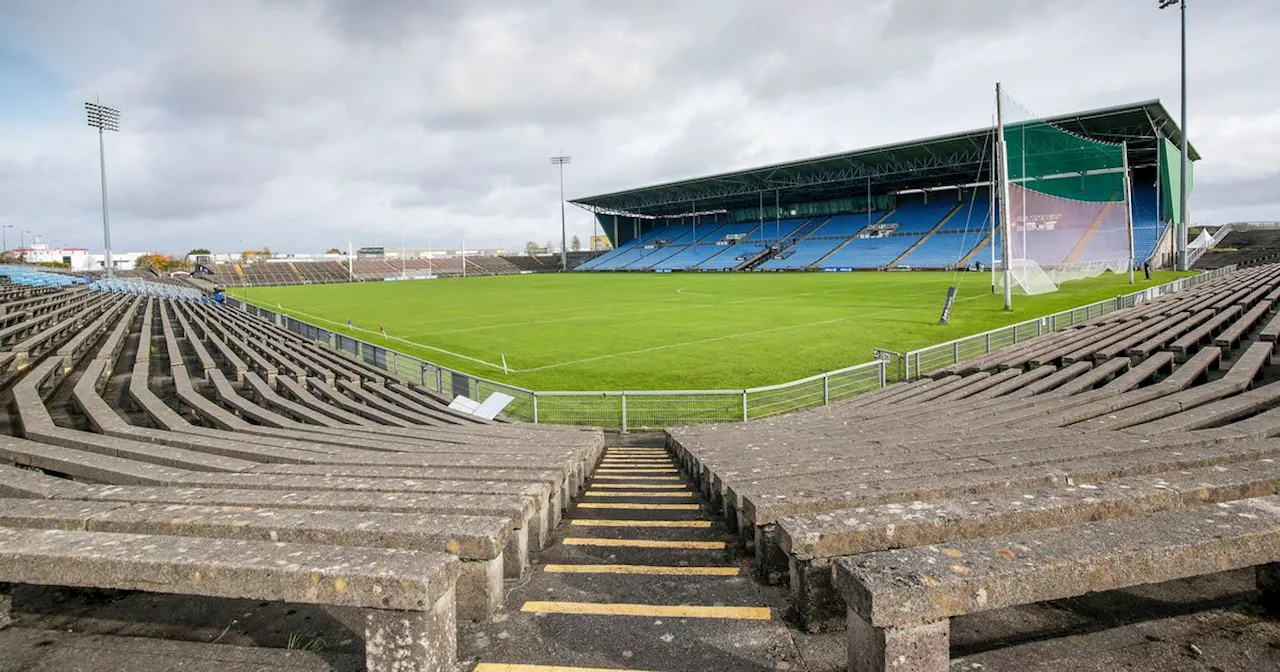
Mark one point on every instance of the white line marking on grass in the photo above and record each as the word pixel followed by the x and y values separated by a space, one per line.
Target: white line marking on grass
pixel 713 339
pixel 387 337
pixel 684 293
pixel 667 309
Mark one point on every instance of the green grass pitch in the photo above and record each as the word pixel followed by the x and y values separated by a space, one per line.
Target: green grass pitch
pixel 667 331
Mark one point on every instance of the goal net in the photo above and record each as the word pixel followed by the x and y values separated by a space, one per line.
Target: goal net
pixel 1068 203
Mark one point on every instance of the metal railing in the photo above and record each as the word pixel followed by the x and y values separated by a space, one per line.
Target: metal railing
pixel 917 363
pixel 624 410
pixel 1194 254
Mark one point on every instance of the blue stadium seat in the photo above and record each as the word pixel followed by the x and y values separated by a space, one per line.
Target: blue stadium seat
pixel 943 250
pixel 870 252
pixel 710 246
pixel 919 218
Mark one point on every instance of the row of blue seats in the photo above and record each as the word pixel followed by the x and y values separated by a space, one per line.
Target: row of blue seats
pixel 832 242
pixel 22 275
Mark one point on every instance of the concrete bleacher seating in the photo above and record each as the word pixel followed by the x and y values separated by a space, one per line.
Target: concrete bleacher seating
pixel 1243 247
pixel 182 447
pixel 307 271
pixel 1066 464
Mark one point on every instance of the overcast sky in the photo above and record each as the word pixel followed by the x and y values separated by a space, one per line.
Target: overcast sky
pixel 309 124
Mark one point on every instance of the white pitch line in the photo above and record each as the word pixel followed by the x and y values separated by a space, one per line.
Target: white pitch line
pixel 666 309
pixel 713 339
pixel 371 332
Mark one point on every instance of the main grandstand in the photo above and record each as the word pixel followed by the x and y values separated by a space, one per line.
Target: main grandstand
pixel 925 204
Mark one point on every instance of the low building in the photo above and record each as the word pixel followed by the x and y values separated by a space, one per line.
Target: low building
pixel 75 258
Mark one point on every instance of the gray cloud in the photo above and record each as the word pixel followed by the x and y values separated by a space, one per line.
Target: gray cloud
pixel 307 124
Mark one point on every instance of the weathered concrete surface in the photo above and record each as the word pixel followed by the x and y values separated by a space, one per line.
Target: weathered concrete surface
pixel 359 577
pixel 1123 460
pixel 19 482
pixel 923 585
pixel 6 604
pixel 47 652
pixel 409 594
pixel 417 641
pixel 810 542
pixel 916 648
pixel 478 540
pixel 515 554
pixel 920 523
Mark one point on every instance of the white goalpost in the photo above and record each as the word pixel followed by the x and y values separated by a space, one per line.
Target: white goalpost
pixel 1065 205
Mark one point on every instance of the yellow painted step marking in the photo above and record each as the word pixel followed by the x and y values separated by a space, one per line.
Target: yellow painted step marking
pixel 642 569
pixel 640 486
pixel 645 543
pixel 647 507
pixel 590 493
pixel 635 451
pixel 648 610
pixel 635 478
pixel 508 667
pixel 688 524
pixel 636 470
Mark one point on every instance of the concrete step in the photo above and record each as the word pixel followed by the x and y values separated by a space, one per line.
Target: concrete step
pixel 635 589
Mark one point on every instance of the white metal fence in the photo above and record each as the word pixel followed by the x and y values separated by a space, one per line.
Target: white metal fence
pixel 922 362
pixel 624 410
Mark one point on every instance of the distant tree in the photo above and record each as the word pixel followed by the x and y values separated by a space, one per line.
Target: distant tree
pixel 550 246
pixel 158 261
pixel 198 250
pixel 576 244
pixel 531 248
pixel 333 250
pixel 251 255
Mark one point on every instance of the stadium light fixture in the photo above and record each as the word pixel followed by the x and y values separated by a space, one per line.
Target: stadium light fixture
pixel 3 239
pixel 104 118
pixel 1182 183
pixel 564 257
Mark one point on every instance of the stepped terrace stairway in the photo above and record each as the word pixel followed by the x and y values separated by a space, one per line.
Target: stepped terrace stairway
pixel 638 577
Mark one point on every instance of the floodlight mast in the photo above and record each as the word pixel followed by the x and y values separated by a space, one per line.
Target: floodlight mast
pixel 564 257
pixel 104 118
pixel 1181 228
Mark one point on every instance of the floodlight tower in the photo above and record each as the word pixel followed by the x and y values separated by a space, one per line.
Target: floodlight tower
pixel 104 118
pixel 564 257
pixel 1181 229
pixel 3 241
